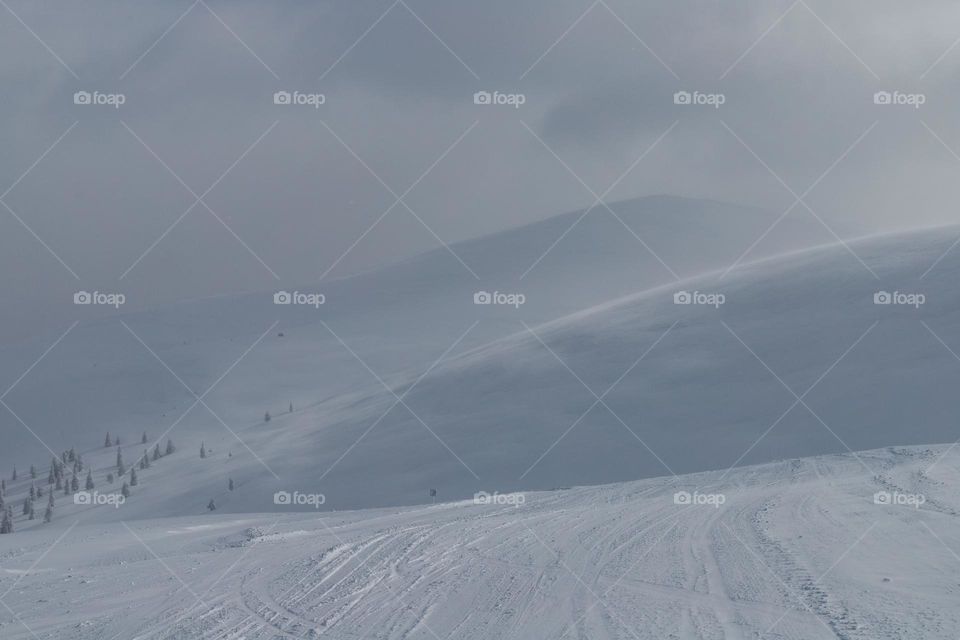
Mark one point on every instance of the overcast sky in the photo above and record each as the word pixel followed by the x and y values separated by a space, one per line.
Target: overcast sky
pixel 288 191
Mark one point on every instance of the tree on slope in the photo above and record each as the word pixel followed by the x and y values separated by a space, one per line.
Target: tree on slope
pixel 89 483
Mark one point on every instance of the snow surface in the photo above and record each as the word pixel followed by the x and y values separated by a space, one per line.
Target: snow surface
pixel 798 550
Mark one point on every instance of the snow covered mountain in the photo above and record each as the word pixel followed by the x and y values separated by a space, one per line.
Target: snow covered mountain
pixel 799 360
pixel 831 547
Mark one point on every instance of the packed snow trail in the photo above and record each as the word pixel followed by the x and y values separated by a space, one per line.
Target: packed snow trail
pixel 798 549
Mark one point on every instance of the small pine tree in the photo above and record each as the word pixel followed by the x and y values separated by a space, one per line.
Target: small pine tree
pixel 291 407
pixel 72 455
pixel 211 506
pixel 156 452
pixel 110 478
pixel 116 441
pixel 40 491
pixel 50 499
pixel 120 469
pixel 203 451
pixel 33 491
pixel 133 477
pixel 14 477
pixel 170 447
pixel 33 472
pixel 48 514
pixel 107 443
pixel 59 484
pixel 266 417
pixel 89 484
pixel 74 484
pixel 143 440
pixel 66 487
pixel 31 515
pixel 79 464
pixel 230 484
pixel 125 490
pixel 51 477
pixel 27 502
pixel 6 523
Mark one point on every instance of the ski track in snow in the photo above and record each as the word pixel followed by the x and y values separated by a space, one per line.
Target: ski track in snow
pixel 799 550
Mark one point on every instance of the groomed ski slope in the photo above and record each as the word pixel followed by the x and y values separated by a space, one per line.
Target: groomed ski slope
pixel 798 550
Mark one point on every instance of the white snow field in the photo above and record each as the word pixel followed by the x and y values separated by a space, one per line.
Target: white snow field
pixel 796 549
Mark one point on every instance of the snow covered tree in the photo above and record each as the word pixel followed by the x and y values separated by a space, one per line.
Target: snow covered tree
pixel 203 451
pixel 170 448
pixel 48 514
pixel 156 452
pixel 89 484
pixel 120 468
pixel 266 417
pixel 291 407
pixel 40 491
pixel 66 487
pixel 116 441
pixel 110 478
pixel 143 440
pixel 211 506
pixel 230 484
pixel 33 491
pixel 133 477
pixel 72 455
pixel 74 484
pixel 6 523
pixel 125 490
pixel 59 484
pixel 78 465
pixel 52 476
pixel 33 472
pixel 107 443
pixel 31 515
pixel 145 460
pixel 14 478
pixel 26 505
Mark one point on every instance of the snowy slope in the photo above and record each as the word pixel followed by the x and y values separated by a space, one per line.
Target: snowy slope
pixel 798 550
pixel 399 319
pixel 511 415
